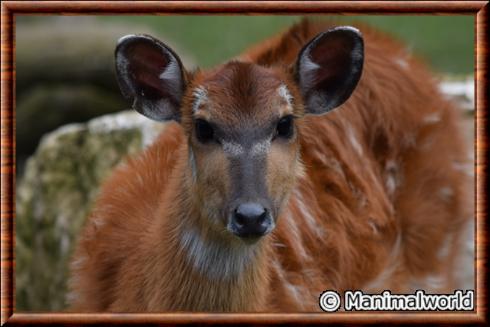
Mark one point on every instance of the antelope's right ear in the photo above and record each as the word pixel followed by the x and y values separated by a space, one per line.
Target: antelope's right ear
pixel 152 75
pixel 329 67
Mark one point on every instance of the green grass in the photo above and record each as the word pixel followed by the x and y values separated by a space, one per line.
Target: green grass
pixel 446 42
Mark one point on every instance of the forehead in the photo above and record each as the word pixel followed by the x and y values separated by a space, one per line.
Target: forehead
pixel 241 93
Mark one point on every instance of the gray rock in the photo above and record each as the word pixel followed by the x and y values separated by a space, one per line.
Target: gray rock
pixel 54 196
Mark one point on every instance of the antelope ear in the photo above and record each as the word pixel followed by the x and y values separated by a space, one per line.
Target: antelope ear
pixel 151 74
pixel 329 67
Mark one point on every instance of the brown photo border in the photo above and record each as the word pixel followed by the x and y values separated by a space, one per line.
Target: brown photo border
pixel 479 9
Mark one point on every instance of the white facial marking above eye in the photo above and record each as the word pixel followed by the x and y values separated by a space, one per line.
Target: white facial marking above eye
pixel 236 149
pixel 233 149
pixel 200 96
pixel 260 148
pixel 284 93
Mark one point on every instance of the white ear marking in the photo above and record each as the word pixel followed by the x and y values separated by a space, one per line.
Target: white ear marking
pixel 307 64
pixel 172 71
pixel 306 68
pixel 172 75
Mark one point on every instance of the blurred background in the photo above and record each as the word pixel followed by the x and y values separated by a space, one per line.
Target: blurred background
pixel 65 80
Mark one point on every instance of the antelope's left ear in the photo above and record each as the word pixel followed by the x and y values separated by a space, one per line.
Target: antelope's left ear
pixel 329 67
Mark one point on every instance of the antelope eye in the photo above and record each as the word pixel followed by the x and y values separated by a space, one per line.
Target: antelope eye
pixel 285 127
pixel 204 131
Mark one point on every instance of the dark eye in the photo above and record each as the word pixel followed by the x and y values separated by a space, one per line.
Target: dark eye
pixel 204 131
pixel 285 127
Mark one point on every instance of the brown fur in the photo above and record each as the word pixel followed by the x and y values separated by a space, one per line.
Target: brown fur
pixel 378 199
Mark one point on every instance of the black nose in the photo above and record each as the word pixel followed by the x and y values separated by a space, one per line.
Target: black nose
pixel 250 220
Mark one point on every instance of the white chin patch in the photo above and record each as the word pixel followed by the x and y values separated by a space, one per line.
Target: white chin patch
pixel 214 259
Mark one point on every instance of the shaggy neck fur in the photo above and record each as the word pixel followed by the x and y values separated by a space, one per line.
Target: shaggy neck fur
pixel 202 268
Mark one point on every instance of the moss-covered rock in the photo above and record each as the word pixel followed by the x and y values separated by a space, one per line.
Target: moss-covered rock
pixel 55 195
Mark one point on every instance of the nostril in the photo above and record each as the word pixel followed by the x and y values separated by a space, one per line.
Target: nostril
pixel 239 218
pixel 250 214
pixel 250 220
pixel 263 216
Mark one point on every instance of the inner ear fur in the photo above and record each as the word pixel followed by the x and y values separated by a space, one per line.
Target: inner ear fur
pixel 151 75
pixel 329 67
